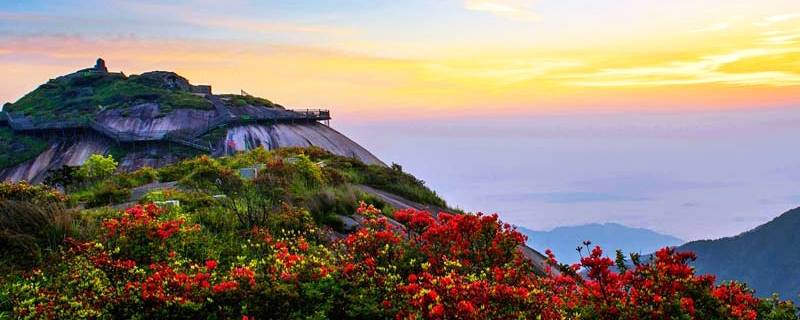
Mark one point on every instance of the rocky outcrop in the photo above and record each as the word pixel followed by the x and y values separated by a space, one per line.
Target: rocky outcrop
pixel 147 121
pixel 295 135
pixel 74 150
pixel 152 129
pixel 61 152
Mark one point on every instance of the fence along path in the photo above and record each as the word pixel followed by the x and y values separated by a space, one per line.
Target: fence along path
pixel 187 137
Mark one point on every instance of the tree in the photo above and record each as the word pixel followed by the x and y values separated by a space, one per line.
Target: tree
pixel 97 167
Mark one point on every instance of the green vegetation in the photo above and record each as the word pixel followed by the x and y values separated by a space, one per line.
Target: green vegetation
pixel 273 245
pixel 244 100
pixel 771 246
pixel 18 148
pixel 317 186
pixel 311 178
pixel 33 221
pixel 83 94
pixel 97 167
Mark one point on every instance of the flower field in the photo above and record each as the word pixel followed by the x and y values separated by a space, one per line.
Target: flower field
pixel 190 262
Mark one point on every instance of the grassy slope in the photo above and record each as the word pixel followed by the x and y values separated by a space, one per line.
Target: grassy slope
pixel 305 177
pixel 17 148
pixel 82 94
pixel 243 100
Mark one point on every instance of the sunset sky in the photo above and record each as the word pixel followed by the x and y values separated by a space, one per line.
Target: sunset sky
pixel 376 59
pixel 680 116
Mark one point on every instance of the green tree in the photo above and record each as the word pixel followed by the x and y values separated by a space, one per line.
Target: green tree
pixel 98 167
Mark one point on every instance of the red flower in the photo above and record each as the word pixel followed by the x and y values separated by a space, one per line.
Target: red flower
pixel 303 245
pixel 688 305
pixel 465 307
pixel 225 286
pixel 437 311
pixel 211 264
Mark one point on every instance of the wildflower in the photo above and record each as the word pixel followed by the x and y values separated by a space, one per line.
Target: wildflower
pixel 437 311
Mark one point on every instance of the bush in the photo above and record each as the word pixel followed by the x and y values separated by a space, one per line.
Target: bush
pixel 190 201
pixel 97 167
pixel 29 229
pixel 138 178
pixel 152 263
pixel 23 191
pixel 108 192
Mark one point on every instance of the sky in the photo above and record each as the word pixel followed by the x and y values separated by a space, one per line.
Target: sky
pixel 551 112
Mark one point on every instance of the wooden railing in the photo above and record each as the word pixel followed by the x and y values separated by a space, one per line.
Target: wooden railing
pixel 313 114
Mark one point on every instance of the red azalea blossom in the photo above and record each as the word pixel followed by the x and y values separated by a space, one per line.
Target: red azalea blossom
pixel 459 266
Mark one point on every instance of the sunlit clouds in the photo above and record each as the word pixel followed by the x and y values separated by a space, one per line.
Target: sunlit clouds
pixel 429 58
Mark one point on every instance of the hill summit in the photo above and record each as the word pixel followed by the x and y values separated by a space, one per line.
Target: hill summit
pixel 766 257
pixel 152 119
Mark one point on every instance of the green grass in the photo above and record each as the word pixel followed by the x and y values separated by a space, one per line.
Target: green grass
pixel 82 95
pixel 308 178
pixel 243 100
pixel 18 148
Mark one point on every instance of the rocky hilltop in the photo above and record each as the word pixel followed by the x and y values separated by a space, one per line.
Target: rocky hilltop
pixel 152 119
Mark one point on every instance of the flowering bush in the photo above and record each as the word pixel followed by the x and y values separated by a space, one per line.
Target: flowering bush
pixel 155 263
pixel 23 191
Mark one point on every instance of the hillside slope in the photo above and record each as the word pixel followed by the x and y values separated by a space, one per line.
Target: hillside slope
pixel 766 258
pixel 152 119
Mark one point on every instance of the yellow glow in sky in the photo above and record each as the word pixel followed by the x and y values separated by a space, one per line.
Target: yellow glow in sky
pixel 484 56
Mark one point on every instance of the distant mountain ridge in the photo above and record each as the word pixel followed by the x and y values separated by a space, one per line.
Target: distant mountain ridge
pixel 609 236
pixel 767 258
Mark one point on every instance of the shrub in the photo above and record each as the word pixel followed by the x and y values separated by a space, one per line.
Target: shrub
pixel 97 167
pixel 190 201
pixel 64 176
pixel 152 263
pixel 137 178
pixel 108 192
pixel 28 229
pixel 251 206
pixel 24 191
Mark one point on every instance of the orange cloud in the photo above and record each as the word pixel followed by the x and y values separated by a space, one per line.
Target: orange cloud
pixel 737 68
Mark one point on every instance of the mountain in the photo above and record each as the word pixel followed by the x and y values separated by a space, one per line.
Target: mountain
pixel 767 258
pixel 153 119
pixel 609 236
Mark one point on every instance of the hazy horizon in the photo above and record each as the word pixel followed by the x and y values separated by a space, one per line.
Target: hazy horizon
pixel 693 175
pixel 674 116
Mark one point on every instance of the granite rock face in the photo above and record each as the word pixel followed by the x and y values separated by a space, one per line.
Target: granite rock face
pixel 146 120
pixel 74 150
pixel 153 125
pixel 247 137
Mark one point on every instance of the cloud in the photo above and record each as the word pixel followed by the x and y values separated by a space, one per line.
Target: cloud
pixel 569 197
pixel 714 27
pixel 23 17
pixel 504 71
pixel 779 38
pixel 707 69
pixel 514 9
pixel 769 21
pixel 238 23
